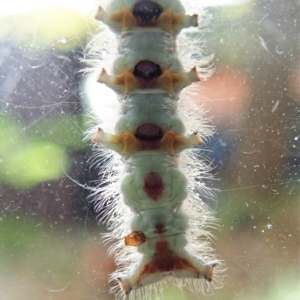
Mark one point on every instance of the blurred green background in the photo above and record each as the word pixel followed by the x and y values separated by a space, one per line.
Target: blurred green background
pixel 50 245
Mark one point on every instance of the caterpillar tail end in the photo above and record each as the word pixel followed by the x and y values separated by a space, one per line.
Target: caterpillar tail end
pixel 153 271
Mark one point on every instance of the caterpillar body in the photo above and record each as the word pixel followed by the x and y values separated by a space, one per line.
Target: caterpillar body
pixel 152 177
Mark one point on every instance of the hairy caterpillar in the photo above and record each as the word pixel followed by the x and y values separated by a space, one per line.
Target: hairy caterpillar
pixel 151 177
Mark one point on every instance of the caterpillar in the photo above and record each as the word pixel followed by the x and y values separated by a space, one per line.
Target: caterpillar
pixel 152 173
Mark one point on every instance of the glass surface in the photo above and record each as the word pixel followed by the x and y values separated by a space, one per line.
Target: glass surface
pixel 50 239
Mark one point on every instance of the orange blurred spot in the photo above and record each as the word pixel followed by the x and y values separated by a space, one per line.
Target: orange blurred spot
pixel 226 94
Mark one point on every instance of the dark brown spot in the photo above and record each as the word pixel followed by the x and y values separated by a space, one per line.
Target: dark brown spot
pixel 149 137
pixel 160 228
pixel 148 132
pixel 146 12
pixel 153 186
pixel 147 70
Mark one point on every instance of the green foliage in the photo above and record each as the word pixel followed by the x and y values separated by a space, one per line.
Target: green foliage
pixel 37 162
pixel 66 130
pixel 29 157
pixel 27 243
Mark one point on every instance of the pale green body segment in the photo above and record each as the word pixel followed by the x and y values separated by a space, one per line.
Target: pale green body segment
pixel 173 221
pixel 156 46
pixel 139 166
pixel 153 109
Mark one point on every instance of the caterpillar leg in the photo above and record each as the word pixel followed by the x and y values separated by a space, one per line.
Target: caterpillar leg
pixel 129 81
pixel 128 143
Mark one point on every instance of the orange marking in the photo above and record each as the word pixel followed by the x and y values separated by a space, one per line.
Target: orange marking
pixel 128 20
pixel 125 17
pixel 127 140
pixel 118 17
pixel 130 142
pixel 167 20
pixel 167 79
pixel 177 19
pixel 170 141
pixel 135 238
pixel 128 80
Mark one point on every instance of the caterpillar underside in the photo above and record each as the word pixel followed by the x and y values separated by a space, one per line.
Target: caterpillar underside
pixel 151 201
